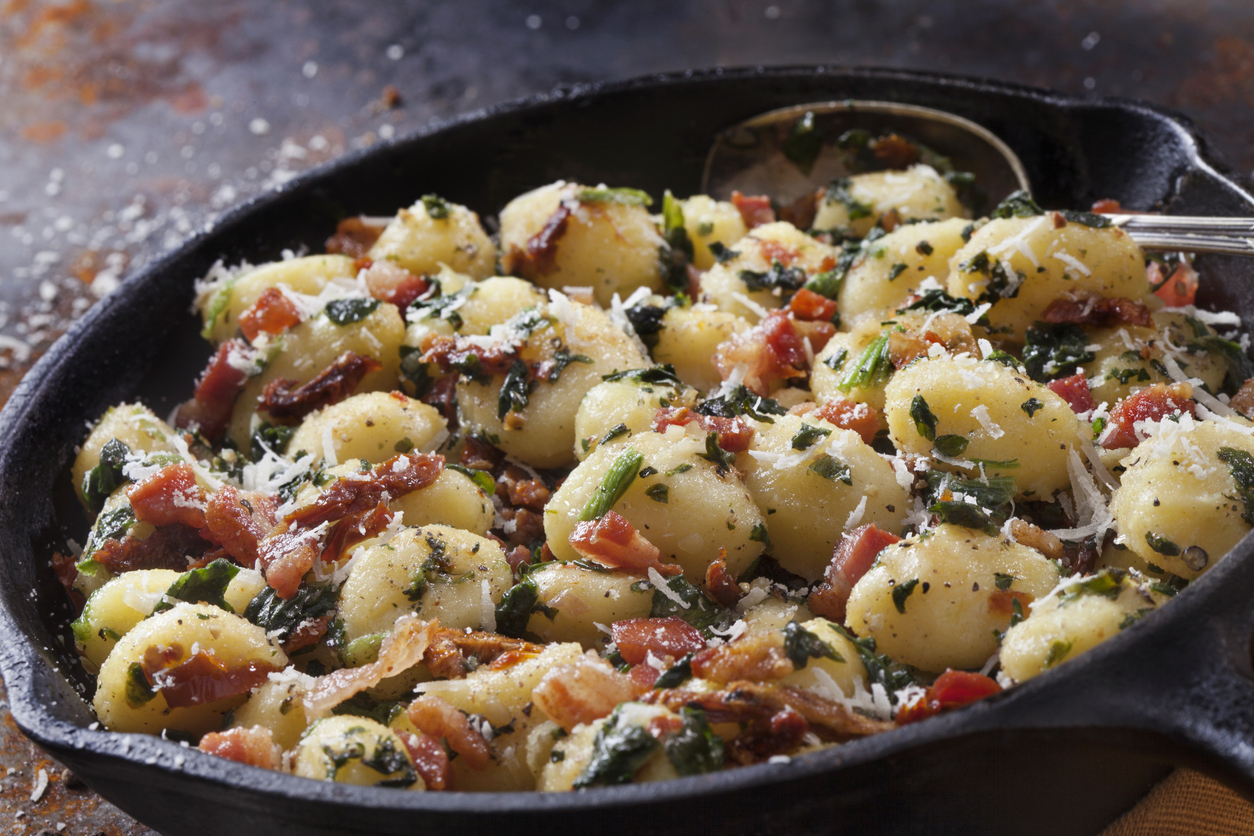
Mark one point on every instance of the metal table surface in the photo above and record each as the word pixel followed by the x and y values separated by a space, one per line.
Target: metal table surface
pixel 127 124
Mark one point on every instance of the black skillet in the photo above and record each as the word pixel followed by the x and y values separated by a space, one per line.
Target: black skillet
pixel 1064 753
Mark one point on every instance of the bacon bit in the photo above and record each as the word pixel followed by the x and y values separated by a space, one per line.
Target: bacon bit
pixel 272 313
pixel 1003 603
pixel 755 657
pixel 528 525
pixel 443 396
pixel 1178 289
pixel 169 547
pixel 904 347
pixel 518 556
pixel 1081 558
pixel 693 288
pixel 286 400
pixel 775 251
pixel 239 521
pixel 538 256
pixel 1075 391
pixel 644 675
pixel 210 407
pixel 1152 403
pixel 401 650
pixel 669 637
pixel 1107 206
pixel 583 691
pixel 890 220
pixel 755 210
pixel 355 502
pixel 450 652
pixel 435 717
pixel 817 334
pixel 353 237
pixel 430 760
pixel 719 582
pixel 480 455
pixel 952 689
pixel 255 746
pixel 387 281
pixel 66 569
pixel 755 703
pixel 851 415
pixel 895 151
pixel 452 353
pixel 307 633
pixel 1099 311
pixel 169 496
pixel 811 307
pixel 800 213
pixel 1243 400
pixel 734 434
pixel 520 489
pixel 1058 220
pixel 1033 537
pixel 202 679
pixel 771 351
pixel 851 559
pixel 614 542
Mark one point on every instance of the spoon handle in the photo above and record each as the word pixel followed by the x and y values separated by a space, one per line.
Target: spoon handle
pixel 1226 236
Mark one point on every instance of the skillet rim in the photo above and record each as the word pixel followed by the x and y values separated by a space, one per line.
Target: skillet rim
pixel 17 660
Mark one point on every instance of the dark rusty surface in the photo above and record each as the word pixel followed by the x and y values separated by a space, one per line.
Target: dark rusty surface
pixel 127 124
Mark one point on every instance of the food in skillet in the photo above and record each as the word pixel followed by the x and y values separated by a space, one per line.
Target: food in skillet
pixel 621 497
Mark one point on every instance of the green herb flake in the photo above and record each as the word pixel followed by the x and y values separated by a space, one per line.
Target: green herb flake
pixel 437 208
pixel 1003 581
pixel 777 277
pixel 722 254
pixel 1031 406
pixel 614 484
pixel 826 283
pixel 677 674
pixel 1058 651
pixel 832 469
pixel 625 196
pixel 618 750
pixel 838 192
pixel 937 300
pixel 614 432
pixel 280 617
pixel 103 479
pixel 561 359
pixel 1162 545
pixel 872 367
pixel 924 420
pixel 679 468
pixel 901 592
pixel 801 645
pixel 269 437
pixel 697 608
pixel 720 458
pixel 1241 467
pixel 515 390
pixel 1085 218
pixel 951 445
pixel 663 375
pixel 1017 205
pixel 807 436
pixel 138 690
pixel 206 585
pixel 1052 351
pixel 695 749
pixel 658 493
pixel 759 534
pixel 347 311
pixel 923 248
pixel 804 143
pixel 896 270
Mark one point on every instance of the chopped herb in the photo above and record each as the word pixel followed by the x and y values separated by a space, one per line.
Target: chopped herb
pixel 1124 375
pixel 924 420
pixel 923 248
pixel 205 585
pixel 561 359
pixel 807 436
pixel 872 368
pixel 838 192
pixel 403 446
pixel 804 143
pixel 646 320
pixel 1085 218
pixel 826 283
pixel 618 750
pixel 673 225
pixel 778 277
pixel 901 592
pixel 1000 464
pixel 938 300
pixel 879 668
pixel 722 254
pixel 896 270
pixel 1017 205
pixel 386 759
pixel 698 609
pixel 1169 585
pixel 677 674
pixel 658 493
pixel 614 484
pixel 1017 615
pixel 111 525
pixel 721 459
pixel 269 437
pixel 1031 405
pixel 1106 584
pixel 951 445
pixel 517 605
pixel 614 432
pixel 138 690
pixel 1133 617
pixel 966 233
pixel 625 196
pixel 103 479
pixel 679 468
pixel 800 646
pixel 1003 581
pixel 218 305
pixel 832 469
pixel 695 749
pixel 1058 651
pixel 1052 351
pixel 1240 366
pixel 759 534
pixel 1241 466
pixel 1006 359
pixel 741 401
pixel 1162 545
pixel 837 361
pixel 347 311
pixel 663 375
pixel 515 390
pixel 280 617
pixel 437 207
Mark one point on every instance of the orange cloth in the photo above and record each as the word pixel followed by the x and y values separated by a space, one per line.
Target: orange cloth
pixel 1187 804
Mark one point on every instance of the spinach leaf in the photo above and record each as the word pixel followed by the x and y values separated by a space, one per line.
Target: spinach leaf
pixel 515 390
pixel 347 311
pixel 437 208
pixel 267 436
pixel 205 585
pixel 741 401
pixel 800 646
pixel 663 375
pixel 779 277
pixel 698 609
pixel 804 143
pixel 1053 351
pixel 924 420
pixel 695 749
pixel 1017 205
pixel 103 479
pixel 1241 466
pixel 280 617
pixel 614 484
pixel 618 750
pixel 872 367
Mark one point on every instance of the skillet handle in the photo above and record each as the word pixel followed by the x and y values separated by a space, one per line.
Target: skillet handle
pixel 1182 687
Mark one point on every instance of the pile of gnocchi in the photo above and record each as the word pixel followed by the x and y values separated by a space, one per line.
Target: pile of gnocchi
pixel 615 495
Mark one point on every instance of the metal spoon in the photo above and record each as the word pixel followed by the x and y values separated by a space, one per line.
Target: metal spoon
pixel 786 153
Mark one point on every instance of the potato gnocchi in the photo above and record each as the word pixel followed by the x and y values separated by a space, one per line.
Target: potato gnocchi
pixel 615 496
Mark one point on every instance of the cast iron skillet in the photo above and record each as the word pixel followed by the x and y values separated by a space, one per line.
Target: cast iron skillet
pixel 1064 753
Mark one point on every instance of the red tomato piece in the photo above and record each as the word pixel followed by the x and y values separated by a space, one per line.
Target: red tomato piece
pixel 1152 403
pixel 272 313
pixel 1075 391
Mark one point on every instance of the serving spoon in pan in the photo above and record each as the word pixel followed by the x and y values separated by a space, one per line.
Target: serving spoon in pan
pixel 786 152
